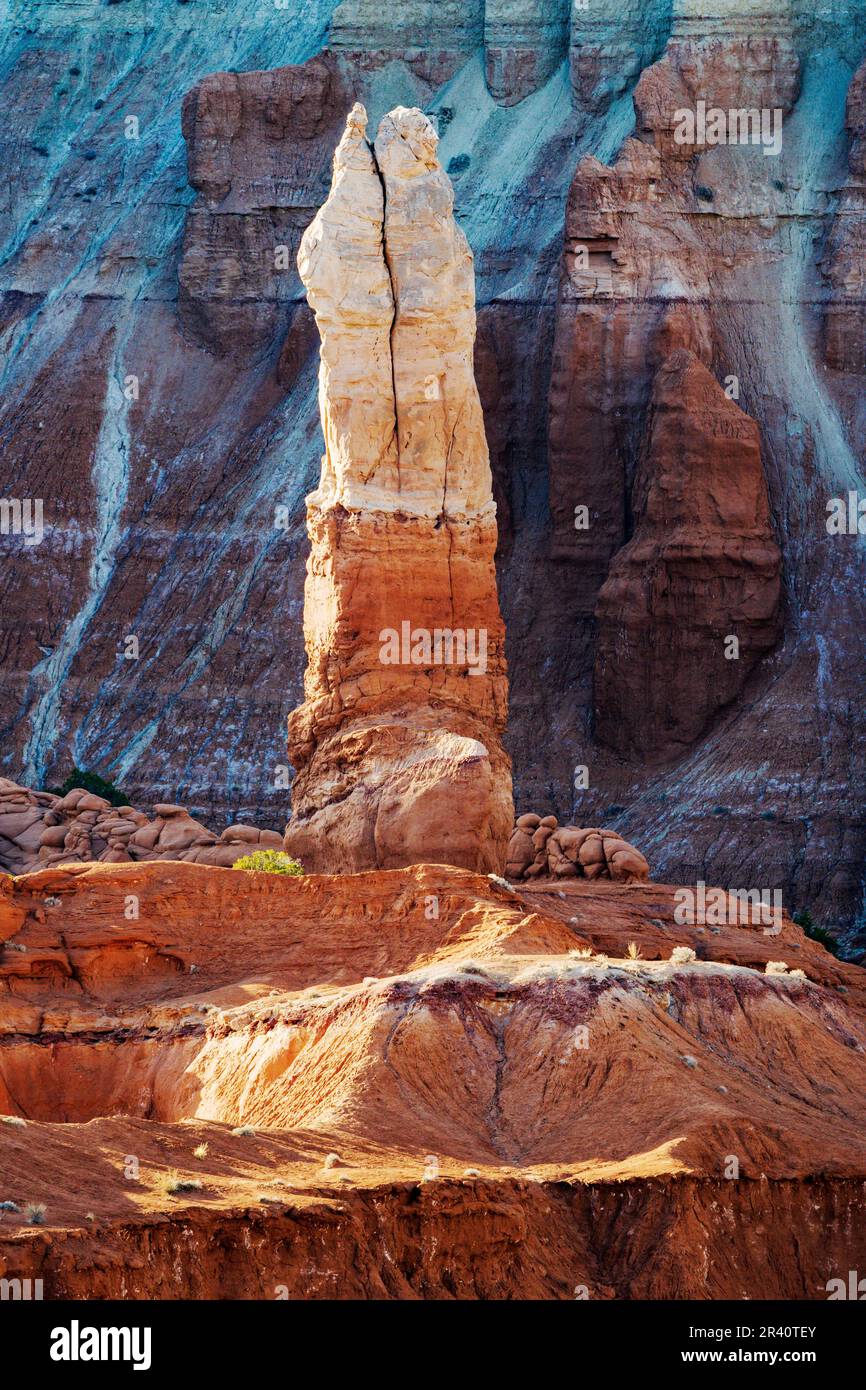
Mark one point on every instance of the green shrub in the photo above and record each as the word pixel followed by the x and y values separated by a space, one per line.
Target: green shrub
pixel 824 938
pixel 269 861
pixel 91 782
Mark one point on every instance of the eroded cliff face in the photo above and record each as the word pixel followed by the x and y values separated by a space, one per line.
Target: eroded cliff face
pixel 330 1067
pixel 398 744
pixel 686 244
pixel 156 448
pixel 524 43
pixel 844 325
pixel 257 146
pixel 177 516
pixel 691 603
pixel 611 42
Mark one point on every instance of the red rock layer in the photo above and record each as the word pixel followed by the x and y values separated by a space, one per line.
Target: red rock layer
pixel 396 1088
pixel 700 573
pixel 708 249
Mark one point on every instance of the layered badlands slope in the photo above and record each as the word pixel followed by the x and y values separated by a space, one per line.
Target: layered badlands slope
pixel 418 1083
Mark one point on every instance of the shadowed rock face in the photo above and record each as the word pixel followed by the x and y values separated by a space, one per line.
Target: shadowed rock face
pixel 844 261
pixel 700 573
pixel 397 746
pixel 611 42
pixel 434 37
pixel 524 43
pixel 712 249
pixel 257 146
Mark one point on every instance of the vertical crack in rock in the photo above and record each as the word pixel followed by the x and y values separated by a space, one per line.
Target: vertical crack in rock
pixel 394 314
pixel 398 743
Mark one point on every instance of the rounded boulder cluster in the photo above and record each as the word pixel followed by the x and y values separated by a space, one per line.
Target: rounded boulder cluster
pixel 542 848
pixel 39 829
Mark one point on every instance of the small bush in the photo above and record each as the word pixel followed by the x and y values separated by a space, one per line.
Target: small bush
pixel 585 953
pixel 244 1132
pixel 200 1151
pixel 13 1120
pixel 36 1213
pixel 682 955
pixel 173 1183
pixel 633 951
pixel 269 861
pixel 91 782
pixel 776 967
pixel 811 929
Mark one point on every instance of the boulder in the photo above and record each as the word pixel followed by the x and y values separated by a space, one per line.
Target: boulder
pixel 568 851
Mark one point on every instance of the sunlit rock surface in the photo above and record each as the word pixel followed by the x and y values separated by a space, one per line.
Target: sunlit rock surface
pixel 398 752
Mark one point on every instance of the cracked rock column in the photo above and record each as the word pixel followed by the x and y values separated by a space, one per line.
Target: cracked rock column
pixel 397 747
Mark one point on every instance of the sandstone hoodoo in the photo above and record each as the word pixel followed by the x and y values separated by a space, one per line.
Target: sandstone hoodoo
pixel 397 746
